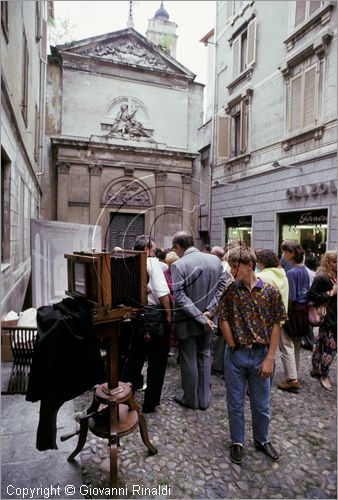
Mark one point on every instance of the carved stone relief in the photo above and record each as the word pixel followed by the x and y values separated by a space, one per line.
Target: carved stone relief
pixel 128 52
pixel 127 193
pixel 128 118
pixel 126 125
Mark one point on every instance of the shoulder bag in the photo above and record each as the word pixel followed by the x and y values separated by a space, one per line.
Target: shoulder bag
pixel 316 313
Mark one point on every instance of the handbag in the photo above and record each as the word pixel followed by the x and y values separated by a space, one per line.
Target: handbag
pixel 316 313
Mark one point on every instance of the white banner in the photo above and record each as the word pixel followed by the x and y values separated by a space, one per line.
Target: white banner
pixel 50 240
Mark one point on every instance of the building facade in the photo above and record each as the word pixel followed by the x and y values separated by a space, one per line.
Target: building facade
pixel 23 83
pixel 122 118
pixel 275 137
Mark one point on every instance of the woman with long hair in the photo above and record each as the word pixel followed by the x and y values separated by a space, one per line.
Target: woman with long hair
pixel 324 291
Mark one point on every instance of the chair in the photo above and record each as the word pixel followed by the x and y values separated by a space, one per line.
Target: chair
pixel 22 340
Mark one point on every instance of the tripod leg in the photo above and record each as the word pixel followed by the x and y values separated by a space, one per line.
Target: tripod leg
pixel 142 425
pixel 84 430
pixel 113 443
pixel 82 440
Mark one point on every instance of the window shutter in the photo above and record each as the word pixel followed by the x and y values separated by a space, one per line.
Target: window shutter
pixel 310 96
pixel 314 5
pixel 295 103
pixel 244 127
pixel 235 57
pixel 251 42
pixel 229 9
pixel 223 138
pixel 300 12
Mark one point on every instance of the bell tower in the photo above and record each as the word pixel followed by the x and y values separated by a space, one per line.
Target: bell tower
pixel 162 32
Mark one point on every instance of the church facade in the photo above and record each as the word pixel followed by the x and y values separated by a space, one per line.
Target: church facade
pixel 122 116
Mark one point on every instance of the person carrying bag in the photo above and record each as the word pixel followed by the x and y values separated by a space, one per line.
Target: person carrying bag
pixel 324 292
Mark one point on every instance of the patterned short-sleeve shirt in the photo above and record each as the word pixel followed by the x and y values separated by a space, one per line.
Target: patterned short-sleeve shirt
pixel 251 314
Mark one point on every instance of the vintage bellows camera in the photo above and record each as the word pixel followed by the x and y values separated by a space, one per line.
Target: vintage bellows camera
pixel 114 284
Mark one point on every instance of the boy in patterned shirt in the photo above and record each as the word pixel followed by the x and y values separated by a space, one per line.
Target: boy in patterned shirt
pixel 250 314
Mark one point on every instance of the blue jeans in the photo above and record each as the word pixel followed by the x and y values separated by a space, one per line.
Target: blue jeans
pixel 240 366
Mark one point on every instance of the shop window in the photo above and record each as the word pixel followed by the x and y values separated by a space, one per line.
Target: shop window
pixel 309 229
pixel 304 10
pixel 5 207
pixel 244 49
pixel 238 228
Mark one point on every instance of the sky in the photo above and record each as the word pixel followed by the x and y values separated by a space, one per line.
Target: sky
pixel 194 19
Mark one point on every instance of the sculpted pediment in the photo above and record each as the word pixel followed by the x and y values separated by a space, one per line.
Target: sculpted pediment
pixel 128 52
pixel 126 47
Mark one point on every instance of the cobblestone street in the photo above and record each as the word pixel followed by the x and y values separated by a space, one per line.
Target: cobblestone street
pixel 193 447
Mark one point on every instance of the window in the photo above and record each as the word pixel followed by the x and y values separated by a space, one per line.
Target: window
pixel 232 136
pixel 244 49
pixel 21 219
pixel 308 228
pixel 5 207
pixel 233 6
pixel 4 19
pixel 38 21
pixel 25 74
pixel 238 228
pixel 37 135
pixel 304 10
pixel 303 98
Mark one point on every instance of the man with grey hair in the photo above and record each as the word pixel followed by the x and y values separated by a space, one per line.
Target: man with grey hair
pixel 195 277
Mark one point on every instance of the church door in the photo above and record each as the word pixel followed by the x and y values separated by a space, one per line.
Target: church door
pixel 123 230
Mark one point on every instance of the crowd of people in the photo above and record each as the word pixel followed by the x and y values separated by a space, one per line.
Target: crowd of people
pixel 232 309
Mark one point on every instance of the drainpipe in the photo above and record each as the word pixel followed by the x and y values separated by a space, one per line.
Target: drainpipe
pixel 213 132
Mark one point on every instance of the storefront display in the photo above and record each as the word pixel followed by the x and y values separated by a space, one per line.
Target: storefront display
pixel 238 228
pixel 309 228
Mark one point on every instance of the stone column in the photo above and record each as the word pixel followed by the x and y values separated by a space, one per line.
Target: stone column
pixel 159 227
pixel 187 203
pixel 62 197
pixel 94 193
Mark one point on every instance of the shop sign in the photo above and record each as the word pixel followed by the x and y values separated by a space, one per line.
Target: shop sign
pixel 311 217
pixel 319 188
pixel 238 221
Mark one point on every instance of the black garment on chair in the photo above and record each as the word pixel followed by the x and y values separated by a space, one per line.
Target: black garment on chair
pixel 66 362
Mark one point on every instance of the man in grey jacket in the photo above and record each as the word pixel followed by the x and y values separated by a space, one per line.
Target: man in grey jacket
pixel 195 277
